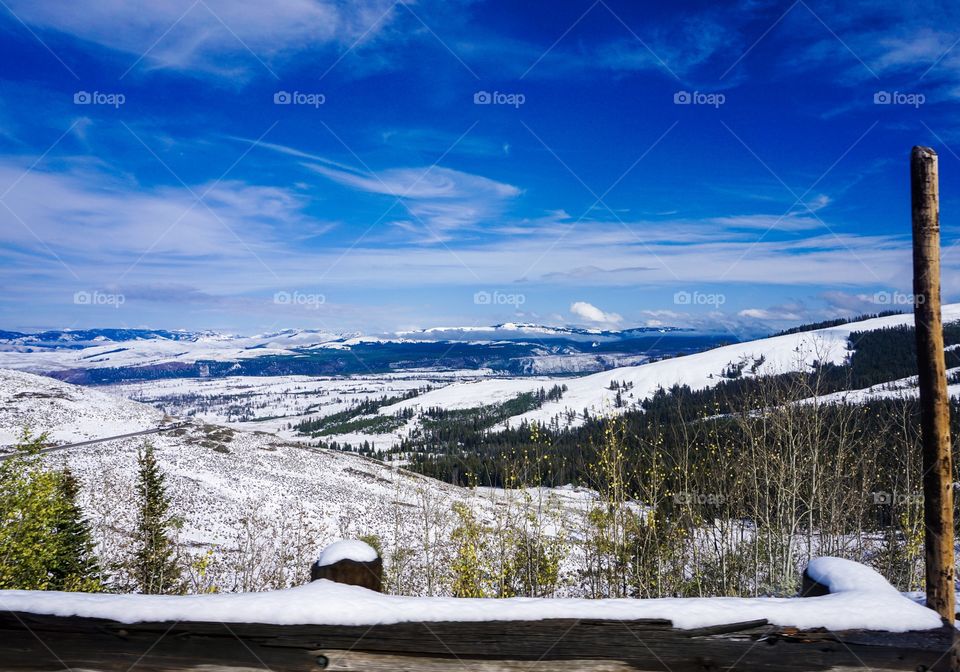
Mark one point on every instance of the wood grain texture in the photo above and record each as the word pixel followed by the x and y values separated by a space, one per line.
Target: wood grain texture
pixel 932 383
pixel 367 575
pixel 34 642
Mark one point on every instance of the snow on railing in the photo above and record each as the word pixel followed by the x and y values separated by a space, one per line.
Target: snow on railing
pixel 337 626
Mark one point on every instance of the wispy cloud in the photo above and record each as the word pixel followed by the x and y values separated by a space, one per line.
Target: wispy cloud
pixel 877 44
pixel 443 198
pixel 219 37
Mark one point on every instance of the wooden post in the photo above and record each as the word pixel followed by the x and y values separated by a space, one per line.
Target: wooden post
pixel 934 401
pixel 366 572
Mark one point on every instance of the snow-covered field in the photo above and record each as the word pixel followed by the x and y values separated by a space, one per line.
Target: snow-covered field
pixel 273 403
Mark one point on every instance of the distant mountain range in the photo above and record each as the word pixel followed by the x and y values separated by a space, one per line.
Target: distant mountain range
pixel 98 356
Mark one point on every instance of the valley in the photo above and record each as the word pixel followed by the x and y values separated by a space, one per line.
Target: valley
pixel 265 468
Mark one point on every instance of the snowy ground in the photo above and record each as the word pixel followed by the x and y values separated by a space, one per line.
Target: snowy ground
pixel 276 402
pixel 243 495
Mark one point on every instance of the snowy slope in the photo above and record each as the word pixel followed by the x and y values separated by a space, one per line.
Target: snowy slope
pixel 780 354
pixel 221 479
pixel 67 412
pixel 902 388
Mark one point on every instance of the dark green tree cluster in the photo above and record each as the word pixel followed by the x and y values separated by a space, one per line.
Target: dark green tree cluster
pixel 45 542
pixel 826 324
pixel 460 452
pixel 351 419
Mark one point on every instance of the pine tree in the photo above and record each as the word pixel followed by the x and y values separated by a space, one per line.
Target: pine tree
pixel 75 565
pixel 156 567
pixel 44 541
pixel 27 511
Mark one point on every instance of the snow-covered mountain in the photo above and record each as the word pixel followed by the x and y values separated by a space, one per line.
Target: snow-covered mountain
pixel 510 331
pixel 117 355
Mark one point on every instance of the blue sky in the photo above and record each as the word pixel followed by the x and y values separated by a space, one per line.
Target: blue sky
pixel 376 165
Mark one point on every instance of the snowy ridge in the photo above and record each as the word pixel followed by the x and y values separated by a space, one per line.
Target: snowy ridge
pixel 864 600
pixel 153 351
pixel 68 351
pixel 66 412
pixel 778 354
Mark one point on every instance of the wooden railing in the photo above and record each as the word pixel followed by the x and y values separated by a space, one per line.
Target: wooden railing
pixel 30 642
pixel 39 642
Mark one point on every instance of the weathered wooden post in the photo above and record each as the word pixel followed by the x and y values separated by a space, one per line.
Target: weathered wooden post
pixel 354 563
pixel 934 401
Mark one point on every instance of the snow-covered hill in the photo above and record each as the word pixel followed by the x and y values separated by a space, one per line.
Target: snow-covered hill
pixel 597 392
pixel 256 507
pixel 66 412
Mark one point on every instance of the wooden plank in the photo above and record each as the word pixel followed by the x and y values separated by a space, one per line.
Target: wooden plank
pixel 341 661
pixel 31 642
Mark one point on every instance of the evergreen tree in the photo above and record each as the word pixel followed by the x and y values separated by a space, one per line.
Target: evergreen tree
pixel 44 543
pixel 156 567
pixel 75 565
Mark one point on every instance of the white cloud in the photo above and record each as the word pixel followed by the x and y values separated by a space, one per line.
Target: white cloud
pixel 223 37
pixel 100 225
pixel 775 314
pixel 443 198
pixel 591 313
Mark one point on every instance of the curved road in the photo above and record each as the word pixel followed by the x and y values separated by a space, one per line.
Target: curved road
pixel 51 449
